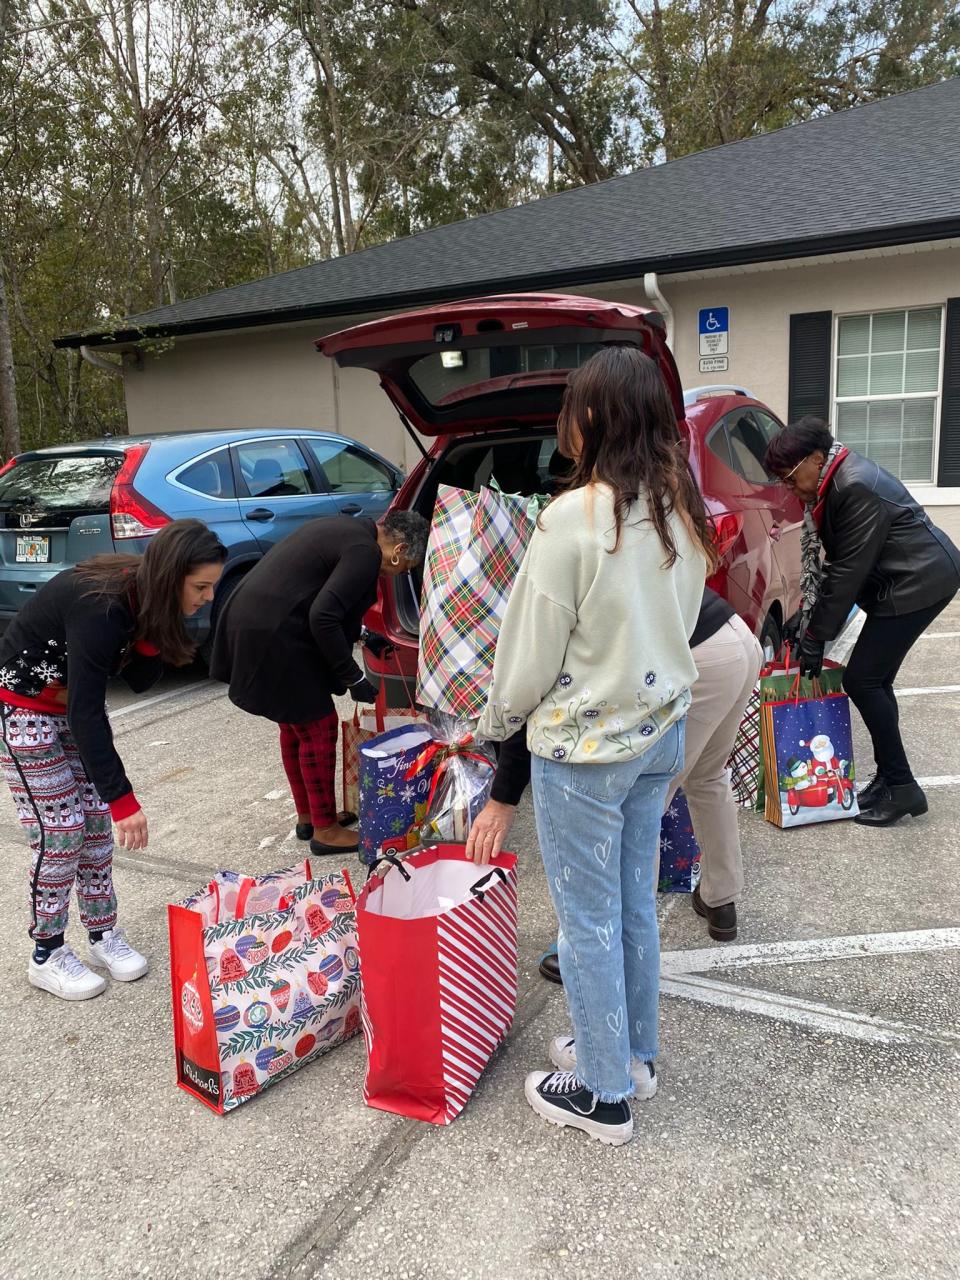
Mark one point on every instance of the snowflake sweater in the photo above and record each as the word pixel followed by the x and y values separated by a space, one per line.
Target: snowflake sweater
pixel 594 650
pixel 65 640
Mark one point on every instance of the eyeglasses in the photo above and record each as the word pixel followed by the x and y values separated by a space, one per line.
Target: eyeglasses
pixel 786 479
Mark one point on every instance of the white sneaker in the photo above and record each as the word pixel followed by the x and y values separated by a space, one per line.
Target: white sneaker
pixel 65 975
pixel 114 953
pixel 563 1054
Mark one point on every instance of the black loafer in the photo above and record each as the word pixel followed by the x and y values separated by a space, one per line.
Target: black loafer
pixel 344 819
pixel 721 921
pixel 899 802
pixel 550 968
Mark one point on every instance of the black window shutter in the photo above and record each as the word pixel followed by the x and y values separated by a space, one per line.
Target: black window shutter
pixel 811 335
pixel 948 472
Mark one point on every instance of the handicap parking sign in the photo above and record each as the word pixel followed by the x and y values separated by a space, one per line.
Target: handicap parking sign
pixel 714 331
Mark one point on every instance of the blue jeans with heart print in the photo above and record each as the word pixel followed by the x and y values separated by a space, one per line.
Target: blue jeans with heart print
pixel 599 832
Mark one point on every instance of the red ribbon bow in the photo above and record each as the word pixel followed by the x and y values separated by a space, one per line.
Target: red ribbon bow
pixel 446 751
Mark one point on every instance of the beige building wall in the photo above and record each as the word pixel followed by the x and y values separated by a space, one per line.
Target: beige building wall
pixel 262 379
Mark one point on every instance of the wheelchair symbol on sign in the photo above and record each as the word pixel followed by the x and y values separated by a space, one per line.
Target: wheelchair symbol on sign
pixel 712 323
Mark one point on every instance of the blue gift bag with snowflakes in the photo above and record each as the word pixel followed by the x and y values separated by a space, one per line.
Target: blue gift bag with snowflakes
pixel 396 774
pixel 679 851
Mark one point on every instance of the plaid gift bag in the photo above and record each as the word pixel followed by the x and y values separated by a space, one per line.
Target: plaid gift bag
pixel 477 543
pixel 746 763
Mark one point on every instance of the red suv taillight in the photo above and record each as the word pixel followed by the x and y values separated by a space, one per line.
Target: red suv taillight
pixel 131 514
pixel 726 530
pixel 8 466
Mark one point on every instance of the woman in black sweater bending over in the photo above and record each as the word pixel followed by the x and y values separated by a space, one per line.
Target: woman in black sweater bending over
pixel 285 647
pixel 113 615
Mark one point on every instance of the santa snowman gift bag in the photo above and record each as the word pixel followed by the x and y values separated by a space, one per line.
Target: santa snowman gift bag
pixel 679 851
pixel 808 757
pixel 438 954
pixel 265 978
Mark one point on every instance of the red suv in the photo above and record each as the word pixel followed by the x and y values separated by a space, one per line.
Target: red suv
pixel 485 378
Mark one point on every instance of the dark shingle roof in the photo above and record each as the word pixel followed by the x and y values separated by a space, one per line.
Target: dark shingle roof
pixel 880 174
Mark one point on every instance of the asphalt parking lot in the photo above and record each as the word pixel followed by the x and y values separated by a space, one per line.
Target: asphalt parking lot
pixel 806 1124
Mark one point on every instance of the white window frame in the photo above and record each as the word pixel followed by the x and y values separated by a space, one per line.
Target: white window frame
pixel 936 395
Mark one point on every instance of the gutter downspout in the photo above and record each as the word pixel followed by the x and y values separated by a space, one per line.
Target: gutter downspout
pixel 651 287
pixel 108 366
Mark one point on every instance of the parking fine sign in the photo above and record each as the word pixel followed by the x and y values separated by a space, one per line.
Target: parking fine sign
pixel 714 331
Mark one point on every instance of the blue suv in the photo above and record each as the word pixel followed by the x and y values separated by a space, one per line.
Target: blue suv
pixel 64 504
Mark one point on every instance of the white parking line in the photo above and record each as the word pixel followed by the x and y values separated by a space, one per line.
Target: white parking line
pixel 944 780
pixel 933 688
pixel 803 1013
pixel 681 975
pixel 848 947
pixel 941 635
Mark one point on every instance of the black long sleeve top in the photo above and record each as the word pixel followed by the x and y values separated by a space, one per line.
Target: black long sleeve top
pixel 284 642
pixel 68 635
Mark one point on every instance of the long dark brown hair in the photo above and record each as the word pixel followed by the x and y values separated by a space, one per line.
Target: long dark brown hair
pixel 619 406
pixel 152 584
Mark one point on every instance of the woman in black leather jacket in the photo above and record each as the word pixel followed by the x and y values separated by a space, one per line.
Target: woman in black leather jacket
pixel 883 553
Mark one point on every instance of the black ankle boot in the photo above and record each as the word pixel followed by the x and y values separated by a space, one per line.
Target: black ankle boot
pixel 304 830
pixel 721 921
pixel 899 802
pixel 874 791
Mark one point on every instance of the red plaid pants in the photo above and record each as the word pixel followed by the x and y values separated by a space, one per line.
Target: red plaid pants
pixel 309 754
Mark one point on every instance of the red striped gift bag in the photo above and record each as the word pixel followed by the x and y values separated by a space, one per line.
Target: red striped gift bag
pixel 437 937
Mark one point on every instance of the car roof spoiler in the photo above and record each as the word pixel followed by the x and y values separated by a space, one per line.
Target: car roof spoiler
pixel 715 389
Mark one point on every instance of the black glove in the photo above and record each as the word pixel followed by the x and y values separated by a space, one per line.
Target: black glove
pixel 378 645
pixel 810 657
pixel 791 628
pixel 363 691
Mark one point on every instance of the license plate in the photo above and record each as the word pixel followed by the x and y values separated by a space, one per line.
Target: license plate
pixel 33 550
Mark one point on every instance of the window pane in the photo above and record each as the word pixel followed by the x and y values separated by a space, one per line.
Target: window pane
pixel 886 375
pixel 853 336
pixel 852 376
pixel 718 446
pixel 923 329
pixel 212 476
pixel 81 482
pixel 918 418
pixel 274 469
pixel 346 470
pixel 768 425
pixel 922 370
pixel 888 331
pixel 917 457
pixel 884 433
pixel 852 426
pixel 748 444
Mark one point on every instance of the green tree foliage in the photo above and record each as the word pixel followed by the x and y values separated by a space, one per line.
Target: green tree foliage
pixel 152 150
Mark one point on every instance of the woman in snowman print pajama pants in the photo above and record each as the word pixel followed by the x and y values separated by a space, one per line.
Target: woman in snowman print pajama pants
pixel 113 615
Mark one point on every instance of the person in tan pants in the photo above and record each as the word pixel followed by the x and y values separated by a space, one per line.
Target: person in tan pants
pixel 728 662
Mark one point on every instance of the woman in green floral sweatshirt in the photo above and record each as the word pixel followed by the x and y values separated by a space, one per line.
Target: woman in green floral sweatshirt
pixel 605 742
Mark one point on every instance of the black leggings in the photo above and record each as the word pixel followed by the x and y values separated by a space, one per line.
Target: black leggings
pixel 877 657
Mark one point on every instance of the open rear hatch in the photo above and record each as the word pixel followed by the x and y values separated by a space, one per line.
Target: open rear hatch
pixel 495 362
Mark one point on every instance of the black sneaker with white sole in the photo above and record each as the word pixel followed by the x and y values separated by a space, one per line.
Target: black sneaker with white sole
pixel 561 1099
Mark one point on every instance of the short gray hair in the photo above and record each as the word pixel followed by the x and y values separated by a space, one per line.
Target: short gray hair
pixel 410 528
